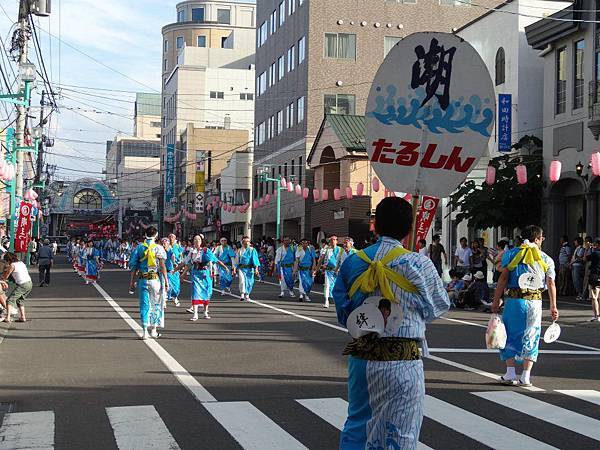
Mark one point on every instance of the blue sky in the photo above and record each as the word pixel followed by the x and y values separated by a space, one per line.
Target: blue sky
pixel 122 34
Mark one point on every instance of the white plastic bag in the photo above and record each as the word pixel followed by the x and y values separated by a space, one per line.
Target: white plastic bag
pixel 495 335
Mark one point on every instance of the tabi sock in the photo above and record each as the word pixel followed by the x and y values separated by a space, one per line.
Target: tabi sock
pixel 510 373
pixel 525 376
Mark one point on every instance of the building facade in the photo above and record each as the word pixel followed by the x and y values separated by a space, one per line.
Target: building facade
pixel 316 57
pixel 570 51
pixel 236 184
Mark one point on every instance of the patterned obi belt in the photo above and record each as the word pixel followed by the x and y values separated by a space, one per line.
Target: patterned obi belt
pixel 149 276
pixel 527 294
pixel 330 268
pixel 285 266
pixel 246 266
pixel 373 348
pixel 199 266
pixel 304 267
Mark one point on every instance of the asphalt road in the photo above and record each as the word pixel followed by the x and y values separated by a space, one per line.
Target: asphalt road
pixel 264 375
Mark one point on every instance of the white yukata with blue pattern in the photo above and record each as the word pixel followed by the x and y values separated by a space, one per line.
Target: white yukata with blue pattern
pixel 386 398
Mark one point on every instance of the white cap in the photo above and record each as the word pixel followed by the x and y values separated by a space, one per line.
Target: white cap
pixel 479 275
pixel 467 277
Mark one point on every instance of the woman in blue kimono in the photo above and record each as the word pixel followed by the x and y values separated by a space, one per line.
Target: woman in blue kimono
pixel 225 254
pixel 247 267
pixel 81 259
pixel 263 258
pixel 198 264
pixel 92 263
pixel 284 260
pixel 330 262
pixel 306 259
pixel 171 263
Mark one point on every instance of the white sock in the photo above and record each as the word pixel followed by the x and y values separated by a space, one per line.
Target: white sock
pixel 525 376
pixel 510 373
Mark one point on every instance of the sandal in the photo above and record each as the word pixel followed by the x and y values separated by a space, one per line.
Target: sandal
pixel 523 384
pixel 507 381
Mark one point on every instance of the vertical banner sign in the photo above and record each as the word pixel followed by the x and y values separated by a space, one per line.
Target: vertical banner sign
pixel 504 128
pixel 170 176
pixel 23 228
pixel 200 187
pixel 425 216
pixel 430 114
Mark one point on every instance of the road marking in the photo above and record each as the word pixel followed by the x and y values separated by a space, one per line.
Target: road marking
pixel 140 427
pixel 252 429
pixel 493 351
pixel 478 428
pixel 547 412
pixel 587 395
pixel 27 430
pixel 182 375
pixel 334 411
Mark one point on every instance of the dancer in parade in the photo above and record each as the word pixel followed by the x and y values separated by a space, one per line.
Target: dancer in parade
pixel 225 253
pixel 263 258
pixel 198 264
pixel 348 249
pixel 306 266
pixel 146 263
pixel 386 386
pixel 284 260
pixel 92 263
pixel 526 272
pixel 171 264
pixel 330 261
pixel 247 267
pixel 81 259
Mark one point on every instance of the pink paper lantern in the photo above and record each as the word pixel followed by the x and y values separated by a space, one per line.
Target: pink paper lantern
pixel 316 195
pixel 261 202
pixel 268 198
pixel 254 204
pixel 360 188
pixel 349 192
pixel 283 183
pixel 596 163
pixel 325 195
pixel 555 170
pixel 490 175
pixel 521 174
pixel 298 189
pixel 290 186
pixel 337 194
pixel 375 184
pixel 305 193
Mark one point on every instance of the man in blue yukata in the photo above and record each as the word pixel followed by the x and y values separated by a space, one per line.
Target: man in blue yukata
pixel 285 258
pixel 330 261
pixel 386 386
pixel 526 273
pixel 225 254
pixel 306 266
pixel 247 268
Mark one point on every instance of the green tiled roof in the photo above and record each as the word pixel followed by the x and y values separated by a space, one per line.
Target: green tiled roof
pixel 350 130
pixel 147 104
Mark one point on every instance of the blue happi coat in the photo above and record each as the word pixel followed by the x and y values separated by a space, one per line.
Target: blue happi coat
pixel 226 256
pixel 247 264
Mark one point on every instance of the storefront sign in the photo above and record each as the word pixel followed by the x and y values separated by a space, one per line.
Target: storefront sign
pixel 504 128
pixel 430 114
pixel 425 216
pixel 22 235
pixel 170 176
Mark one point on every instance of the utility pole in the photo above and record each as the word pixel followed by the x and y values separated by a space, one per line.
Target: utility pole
pixel 40 156
pixel 22 110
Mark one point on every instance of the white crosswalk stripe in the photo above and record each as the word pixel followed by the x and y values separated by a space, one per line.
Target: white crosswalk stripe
pixel 139 428
pixel 252 429
pixel 27 430
pixel 587 395
pixel 545 411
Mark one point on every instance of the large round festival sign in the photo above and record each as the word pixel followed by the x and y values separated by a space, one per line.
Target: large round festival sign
pixel 430 114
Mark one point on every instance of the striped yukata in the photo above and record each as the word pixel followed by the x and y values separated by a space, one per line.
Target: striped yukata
pixel 386 397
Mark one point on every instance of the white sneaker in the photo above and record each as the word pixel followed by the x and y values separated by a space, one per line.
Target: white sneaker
pixel 154 333
pixel 307 299
pixel 176 301
pixel 326 305
pixel 206 316
pixel 281 295
pixel 190 310
pixel 292 294
pixel 248 297
pixel 194 318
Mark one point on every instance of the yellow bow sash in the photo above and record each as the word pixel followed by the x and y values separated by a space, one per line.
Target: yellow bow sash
pixel 379 275
pixel 149 254
pixel 528 255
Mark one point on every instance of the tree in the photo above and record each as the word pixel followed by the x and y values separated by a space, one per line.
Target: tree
pixel 505 203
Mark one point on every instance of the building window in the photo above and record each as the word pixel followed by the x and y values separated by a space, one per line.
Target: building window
pixel 561 80
pixel 262 83
pixel 500 67
pixel 261 133
pixel 300 109
pixel 246 96
pixel 280 122
pixel 273 22
pixel 291 7
pixel 87 199
pixel 301 50
pixel 388 43
pixel 340 45
pixel 281 13
pixel 181 15
pixel 271 128
pixel 224 16
pixel 300 167
pixel 179 42
pixel 340 104
pixel 285 170
pixel 290 115
pixel 225 42
pixel 262 34
pixel 272 74
pixel 281 64
pixel 166 47
pixel 201 41
pixel 217 94
pixel 291 58
pixel 166 65
pixel 198 14
pixel 579 48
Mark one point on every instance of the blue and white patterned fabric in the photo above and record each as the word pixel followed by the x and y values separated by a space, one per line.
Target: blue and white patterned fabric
pixel 523 318
pixel 171 264
pixel 386 397
pixel 248 258
pixel 284 259
pixel 331 261
pixel 226 256
pixel 306 259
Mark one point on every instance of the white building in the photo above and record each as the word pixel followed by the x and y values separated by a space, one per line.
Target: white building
pixel 236 184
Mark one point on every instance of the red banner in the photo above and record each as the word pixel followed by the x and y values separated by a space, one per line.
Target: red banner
pixel 23 232
pixel 425 217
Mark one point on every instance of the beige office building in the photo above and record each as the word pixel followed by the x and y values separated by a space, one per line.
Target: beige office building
pixel 320 56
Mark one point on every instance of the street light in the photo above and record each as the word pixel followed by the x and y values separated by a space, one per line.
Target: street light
pixel 27 72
